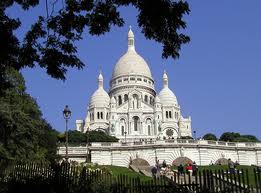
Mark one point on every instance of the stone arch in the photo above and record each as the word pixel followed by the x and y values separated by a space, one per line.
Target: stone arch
pixel 182 160
pixel 102 129
pixel 123 126
pixel 222 161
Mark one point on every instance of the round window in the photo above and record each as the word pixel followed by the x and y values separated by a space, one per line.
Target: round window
pixel 169 132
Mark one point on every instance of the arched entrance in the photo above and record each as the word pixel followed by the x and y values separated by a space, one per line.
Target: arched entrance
pixel 182 160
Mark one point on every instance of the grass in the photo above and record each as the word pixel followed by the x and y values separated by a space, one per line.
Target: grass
pixel 117 170
pixel 239 167
pixel 225 168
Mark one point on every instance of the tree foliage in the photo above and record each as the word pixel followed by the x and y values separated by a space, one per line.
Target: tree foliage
pixel 50 42
pixel 210 136
pixel 24 134
pixel 78 138
pixel 236 137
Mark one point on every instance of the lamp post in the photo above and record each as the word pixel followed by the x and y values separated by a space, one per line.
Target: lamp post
pixel 125 132
pixel 195 135
pixel 66 114
pixel 87 135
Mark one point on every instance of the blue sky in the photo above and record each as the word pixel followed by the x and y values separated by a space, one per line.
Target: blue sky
pixel 217 78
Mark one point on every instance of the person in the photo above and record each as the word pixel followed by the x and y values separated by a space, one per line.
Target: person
pixel 231 166
pixel 190 169
pixel 194 168
pixel 164 164
pixel 180 169
pixel 154 171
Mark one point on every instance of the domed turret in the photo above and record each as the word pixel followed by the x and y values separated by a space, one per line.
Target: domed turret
pixel 100 97
pixel 113 101
pixel 167 97
pixel 157 99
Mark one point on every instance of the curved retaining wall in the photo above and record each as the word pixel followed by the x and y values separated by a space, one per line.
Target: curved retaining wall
pixel 201 151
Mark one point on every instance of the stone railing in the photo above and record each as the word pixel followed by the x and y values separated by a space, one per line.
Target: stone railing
pixel 169 142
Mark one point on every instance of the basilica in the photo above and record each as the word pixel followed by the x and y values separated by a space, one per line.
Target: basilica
pixel 132 110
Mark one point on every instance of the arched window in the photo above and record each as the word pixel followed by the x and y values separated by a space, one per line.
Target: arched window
pixel 107 116
pixel 167 114
pixel 122 130
pixel 170 115
pixel 146 98
pixel 136 121
pixel 92 116
pixel 135 101
pixel 125 97
pixel 149 133
pixel 101 115
pixel 151 101
pixel 120 100
pixel 122 126
pixel 98 115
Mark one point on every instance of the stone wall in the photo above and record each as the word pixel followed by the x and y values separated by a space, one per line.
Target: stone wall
pixel 202 152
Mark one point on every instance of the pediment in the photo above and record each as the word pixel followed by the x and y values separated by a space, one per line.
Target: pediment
pixel 123 107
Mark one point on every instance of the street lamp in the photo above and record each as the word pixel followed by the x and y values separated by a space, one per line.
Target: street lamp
pixel 66 114
pixel 195 135
pixel 87 135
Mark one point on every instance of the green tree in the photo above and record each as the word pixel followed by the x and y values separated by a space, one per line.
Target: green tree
pixel 50 42
pixel 229 136
pixel 210 136
pixel 236 137
pixel 100 136
pixel 78 138
pixel 24 134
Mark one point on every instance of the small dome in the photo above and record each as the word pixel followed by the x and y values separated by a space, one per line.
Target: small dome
pixel 113 101
pixel 157 99
pixel 100 98
pixel 167 97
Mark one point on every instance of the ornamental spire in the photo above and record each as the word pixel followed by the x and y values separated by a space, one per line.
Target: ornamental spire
pixel 165 79
pixel 100 80
pixel 131 39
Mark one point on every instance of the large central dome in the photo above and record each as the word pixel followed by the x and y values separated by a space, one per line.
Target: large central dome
pixel 131 63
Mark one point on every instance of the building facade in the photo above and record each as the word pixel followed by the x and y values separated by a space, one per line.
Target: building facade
pixel 132 110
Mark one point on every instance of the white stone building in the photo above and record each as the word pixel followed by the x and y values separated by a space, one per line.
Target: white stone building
pixel 132 110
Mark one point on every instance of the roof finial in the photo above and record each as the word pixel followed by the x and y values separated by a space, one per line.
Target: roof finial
pixel 100 80
pixel 100 71
pixel 130 39
pixel 165 79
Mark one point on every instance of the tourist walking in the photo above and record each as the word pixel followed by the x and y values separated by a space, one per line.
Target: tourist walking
pixel 194 168
pixel 231 166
